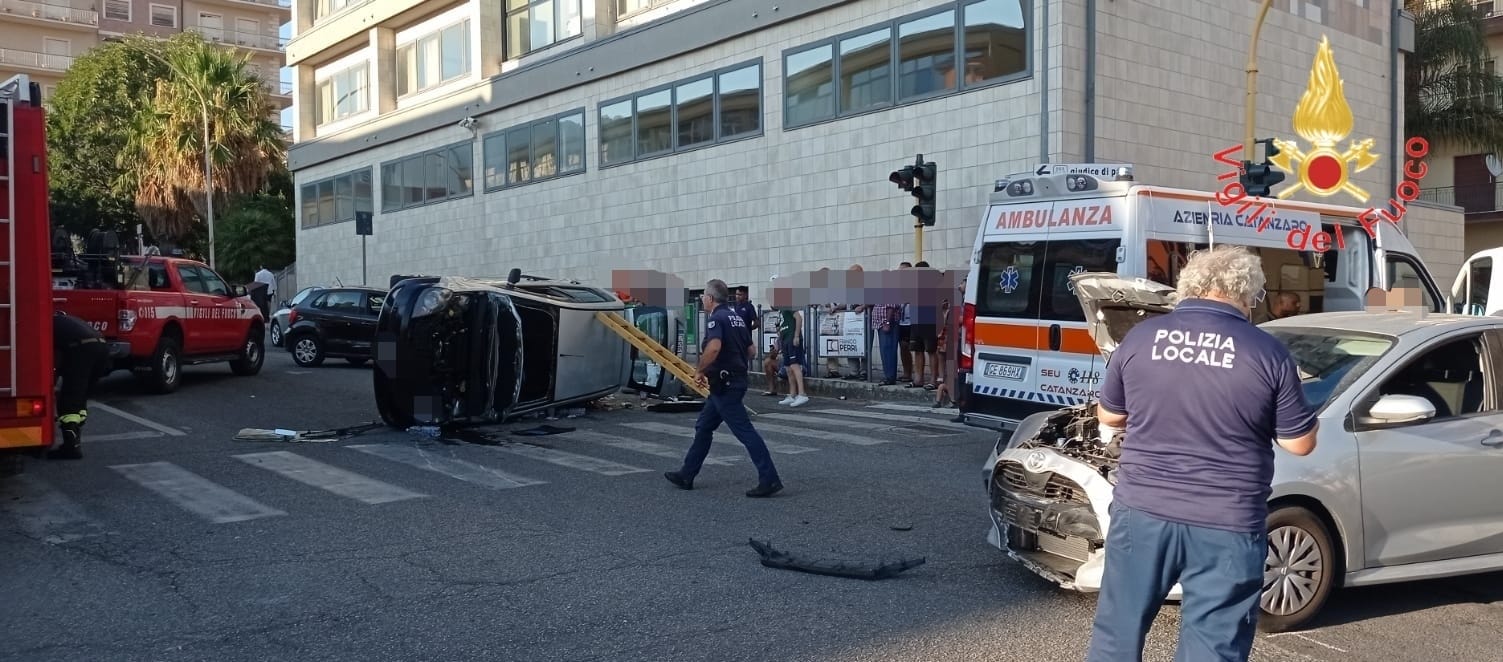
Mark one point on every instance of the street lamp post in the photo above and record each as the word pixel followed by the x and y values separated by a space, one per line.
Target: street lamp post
pixel 1252 83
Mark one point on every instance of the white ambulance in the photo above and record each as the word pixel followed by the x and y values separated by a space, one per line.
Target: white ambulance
pixel 1024 346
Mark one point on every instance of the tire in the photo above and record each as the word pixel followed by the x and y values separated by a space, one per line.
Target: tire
pixel 307 350
pixel 276 334
pixel 357 360
pixel 252 355
pixel 165 371
pixel 1294 594
pixel 389 414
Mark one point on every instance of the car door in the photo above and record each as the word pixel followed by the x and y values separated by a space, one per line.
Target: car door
pixel 198 334
pixel 1431 489
pixel 363 327
pixel 336 314
pixel 222 325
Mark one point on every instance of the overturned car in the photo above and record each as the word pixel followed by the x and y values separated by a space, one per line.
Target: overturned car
pixel 454 350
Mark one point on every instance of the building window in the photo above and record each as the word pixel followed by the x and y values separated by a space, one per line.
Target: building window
pixel 687 114
pixel 535 24
pixel 337 199
pixel 163 16
pixel 434 59
pixel 544 149
pixel 629 7
pixel 446 173
pixel 908 59
pixel 323 8
pixel 117 10
pixel 344 94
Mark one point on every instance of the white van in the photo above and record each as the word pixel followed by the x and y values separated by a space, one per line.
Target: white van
pixel 1024 346
pixel 1469 294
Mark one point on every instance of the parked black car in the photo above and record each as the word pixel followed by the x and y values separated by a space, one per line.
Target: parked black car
pixel 336 322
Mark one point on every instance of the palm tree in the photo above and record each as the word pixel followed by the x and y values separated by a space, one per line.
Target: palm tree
pixel 165 150
pixel 1451 95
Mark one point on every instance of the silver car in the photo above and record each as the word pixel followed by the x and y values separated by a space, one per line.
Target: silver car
pixel 1403 483
pixel 279 319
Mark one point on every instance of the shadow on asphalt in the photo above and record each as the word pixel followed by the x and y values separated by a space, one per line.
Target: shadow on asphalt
pixel 1354 605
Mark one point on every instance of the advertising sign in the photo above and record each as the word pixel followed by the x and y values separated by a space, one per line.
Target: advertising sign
pixel 1193 221
pixel 843 335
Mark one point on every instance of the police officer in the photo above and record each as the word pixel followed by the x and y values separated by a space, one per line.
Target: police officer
pixel 80 353
pixel 724 358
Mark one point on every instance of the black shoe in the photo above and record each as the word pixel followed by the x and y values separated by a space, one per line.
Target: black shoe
pixel 73 452
pixel 762 491
pixel 677 479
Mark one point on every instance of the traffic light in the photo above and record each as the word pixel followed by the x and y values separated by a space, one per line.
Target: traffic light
pixel 924 188
pixel 903 178
pixel 1258 179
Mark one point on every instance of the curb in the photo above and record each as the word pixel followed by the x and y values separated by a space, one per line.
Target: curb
pixel 863 390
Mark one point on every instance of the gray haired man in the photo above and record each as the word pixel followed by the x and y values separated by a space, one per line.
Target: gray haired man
pixel 724 361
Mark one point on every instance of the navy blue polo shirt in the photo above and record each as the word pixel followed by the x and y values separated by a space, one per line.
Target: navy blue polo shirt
pixel 1205 393
pixel 729 327
pixel 747 311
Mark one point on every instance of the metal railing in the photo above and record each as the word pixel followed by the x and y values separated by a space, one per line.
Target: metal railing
pixel 35 60
pixel 51 12
pixel 284 4
pixel 235 38
pixel 1473 198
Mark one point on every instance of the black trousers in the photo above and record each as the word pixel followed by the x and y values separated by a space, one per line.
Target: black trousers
pixel 79 365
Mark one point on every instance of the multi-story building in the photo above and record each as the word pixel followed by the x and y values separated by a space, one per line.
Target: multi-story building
pixel 41 38
pixel 745 138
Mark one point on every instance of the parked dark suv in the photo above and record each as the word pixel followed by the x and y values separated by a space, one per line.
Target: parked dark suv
pixel 336 322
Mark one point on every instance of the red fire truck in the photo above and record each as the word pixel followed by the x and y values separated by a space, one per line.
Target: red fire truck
pixel 26 377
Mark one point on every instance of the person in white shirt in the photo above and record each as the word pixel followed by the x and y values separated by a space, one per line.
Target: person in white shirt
pixel 265 277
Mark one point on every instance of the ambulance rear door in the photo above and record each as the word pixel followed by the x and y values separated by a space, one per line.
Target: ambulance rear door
pixel 1032 349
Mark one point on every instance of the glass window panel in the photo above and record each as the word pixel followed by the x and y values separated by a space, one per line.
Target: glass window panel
pixel 518 35
pixel 363 200
pixel 429 62
pixel 741 101
pixel 866 71
pixel 438 179
pixel 569 23
pixel 461 166
pixel 406 69
pixel 696 112
pixel 326 201
pixel 515 4
pixel 344 198
pixel 995 40
pixel 518 155
pixel 808 87
pixel 310 206
pixel 545 149
pixel 495 160
pixel 571 134
pixel 542 23
pixel 616 133
pixel 456 50
pixel 926 55
pixel 391 186
pixel 654 122
pixel 413 181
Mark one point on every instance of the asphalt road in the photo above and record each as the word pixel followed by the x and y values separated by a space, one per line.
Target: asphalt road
pixel 172 541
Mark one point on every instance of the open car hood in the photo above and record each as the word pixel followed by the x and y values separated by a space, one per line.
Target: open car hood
pixel 1113 305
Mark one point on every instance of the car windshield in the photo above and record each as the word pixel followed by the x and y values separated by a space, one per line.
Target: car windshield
pixel 1329 360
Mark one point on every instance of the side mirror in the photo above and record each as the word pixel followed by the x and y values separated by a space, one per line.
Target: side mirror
pixel 284 304
pixel 1397 409
pixel 237 290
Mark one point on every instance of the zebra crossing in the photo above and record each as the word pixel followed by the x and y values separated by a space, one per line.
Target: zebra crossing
pixel 43 512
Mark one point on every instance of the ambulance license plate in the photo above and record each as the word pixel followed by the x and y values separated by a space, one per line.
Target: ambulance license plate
pixel 1004 370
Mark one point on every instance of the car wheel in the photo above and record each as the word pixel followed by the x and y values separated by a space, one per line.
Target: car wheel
pixel 252 356
pixel 164 373
pixel 389 414
pixel 1300 571
pixel 307 350
pixel 276 334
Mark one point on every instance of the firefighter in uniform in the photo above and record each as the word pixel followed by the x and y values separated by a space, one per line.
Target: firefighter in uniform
pixel 80 352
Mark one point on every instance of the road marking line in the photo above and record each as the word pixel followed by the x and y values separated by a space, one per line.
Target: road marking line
pixel 448 466
pixel 124 436
pixel 46 514
pixel 723 437
pixel 196 494
pixel 331 479
pixel 816 434
pixel 170 431
pixel 892 406
pixel 570 460
pixel 1309 639
pixel 647 447
pixel 926 420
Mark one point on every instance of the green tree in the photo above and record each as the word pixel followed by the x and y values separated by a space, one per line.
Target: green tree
pixel 1451 96
pixel 165 148
pixel 258 229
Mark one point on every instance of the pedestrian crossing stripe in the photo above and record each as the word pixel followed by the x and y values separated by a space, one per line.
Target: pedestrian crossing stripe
pixel 1031 396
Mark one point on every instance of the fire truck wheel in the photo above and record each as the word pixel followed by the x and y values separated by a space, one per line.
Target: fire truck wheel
pixel 164 371
pixel 252 356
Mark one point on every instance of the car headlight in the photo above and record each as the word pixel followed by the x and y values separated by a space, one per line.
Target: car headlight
pixel 433 299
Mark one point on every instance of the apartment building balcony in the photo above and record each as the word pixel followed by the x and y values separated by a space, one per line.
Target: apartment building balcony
pixel 56 14
pixel 35 61
pixel 284 5
pixel 1480 202
pixel 242 39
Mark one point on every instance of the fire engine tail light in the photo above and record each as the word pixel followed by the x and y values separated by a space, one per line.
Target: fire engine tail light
pixel 127 321
pixel 967 345
pixel 24 408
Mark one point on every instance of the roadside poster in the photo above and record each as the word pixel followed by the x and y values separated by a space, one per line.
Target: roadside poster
pixel 843 335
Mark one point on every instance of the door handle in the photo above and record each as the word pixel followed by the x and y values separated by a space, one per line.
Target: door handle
pixel 1055 337
pixel 1493 439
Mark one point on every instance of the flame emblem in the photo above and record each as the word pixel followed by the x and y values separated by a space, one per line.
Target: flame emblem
pixel 1323 118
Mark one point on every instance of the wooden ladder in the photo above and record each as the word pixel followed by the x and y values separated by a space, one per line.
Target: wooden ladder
pixel 658 353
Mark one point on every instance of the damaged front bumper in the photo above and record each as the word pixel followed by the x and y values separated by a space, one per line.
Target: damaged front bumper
pixel 1050 513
